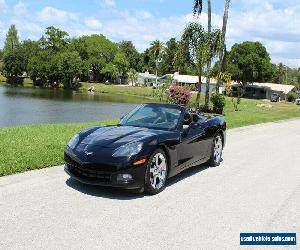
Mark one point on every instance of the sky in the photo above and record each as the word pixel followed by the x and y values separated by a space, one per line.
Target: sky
pixel 274 23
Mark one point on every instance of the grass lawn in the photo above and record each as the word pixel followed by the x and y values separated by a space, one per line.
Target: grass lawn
pixel 250 114
pixel 2 79
pixel 37 146
pixel 118 89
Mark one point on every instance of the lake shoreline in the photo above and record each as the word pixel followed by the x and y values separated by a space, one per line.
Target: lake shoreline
pixel 100 88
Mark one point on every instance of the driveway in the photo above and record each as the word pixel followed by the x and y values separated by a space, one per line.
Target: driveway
pixel 256 189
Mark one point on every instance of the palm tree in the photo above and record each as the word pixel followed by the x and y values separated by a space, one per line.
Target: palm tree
pixel 281 73
pixel 198 4
pixel 198 46
pixel 197 8
pixel 157 48
pixel 224 28
pixel 210 59
pixel 132 76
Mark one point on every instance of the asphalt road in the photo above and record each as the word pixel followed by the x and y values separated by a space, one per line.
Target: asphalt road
pixel 256 189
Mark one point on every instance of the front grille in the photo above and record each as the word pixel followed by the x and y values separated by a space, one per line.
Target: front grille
pixel 93 167
pixel 82 171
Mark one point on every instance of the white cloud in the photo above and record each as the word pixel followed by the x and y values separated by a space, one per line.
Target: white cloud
pixel 93 23
pixel 25 22
pixel 20 9
pixel 109 3
pixel 53 15
pixel 143 14
pixel 3 6
pixel 276 28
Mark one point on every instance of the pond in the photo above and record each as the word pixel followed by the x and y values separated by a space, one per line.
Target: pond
pixel 20 106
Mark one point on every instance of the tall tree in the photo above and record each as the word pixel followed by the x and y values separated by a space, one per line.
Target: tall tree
pixel 12 40
pixel 281 73
pixel 110 71
pixel 69 65
pixel 167 65
pixel 194 46
pixel 147 61
pixel 157 48
pixel 96 51
pixel 132 76
pixel 131 53
pixel 197 8
pixel 122 64
pixel 29 49
pixel 249 62
pixel 222 51
pixel 55 39
pixel 13 58
pixel 210 58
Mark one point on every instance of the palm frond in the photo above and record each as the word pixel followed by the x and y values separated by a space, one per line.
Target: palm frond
pixel 198 6
pixel 157 47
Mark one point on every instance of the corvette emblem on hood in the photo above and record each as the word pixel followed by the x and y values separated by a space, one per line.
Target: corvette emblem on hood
pixel 88 153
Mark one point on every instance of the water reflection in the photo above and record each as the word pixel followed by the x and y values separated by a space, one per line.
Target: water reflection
pixel 31 106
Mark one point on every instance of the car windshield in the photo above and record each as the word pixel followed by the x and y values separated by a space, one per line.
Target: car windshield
pixel 163 117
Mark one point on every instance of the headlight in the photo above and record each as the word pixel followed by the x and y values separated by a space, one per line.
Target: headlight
pixel 128 149
pixel 73 142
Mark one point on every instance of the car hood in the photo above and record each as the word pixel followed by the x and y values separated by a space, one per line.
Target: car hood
pixel 116 136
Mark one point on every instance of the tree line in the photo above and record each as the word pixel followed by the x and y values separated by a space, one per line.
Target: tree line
pixel 57 58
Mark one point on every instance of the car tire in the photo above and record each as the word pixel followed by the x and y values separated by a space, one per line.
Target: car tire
pixel 156 172
pixel 216 151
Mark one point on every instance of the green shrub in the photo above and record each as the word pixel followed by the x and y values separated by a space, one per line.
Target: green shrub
pixel 15 80
pixel 291 97
pixel 219 102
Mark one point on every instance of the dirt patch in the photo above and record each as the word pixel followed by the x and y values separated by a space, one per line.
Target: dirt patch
pixel 268 106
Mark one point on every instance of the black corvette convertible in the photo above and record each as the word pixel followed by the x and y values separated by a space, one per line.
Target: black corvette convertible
pixel 150 144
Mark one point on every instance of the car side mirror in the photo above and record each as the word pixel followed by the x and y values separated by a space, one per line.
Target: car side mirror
pixel 193 125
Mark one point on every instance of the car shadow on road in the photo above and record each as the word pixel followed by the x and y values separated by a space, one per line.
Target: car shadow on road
pixel 104 192
pixel 120 194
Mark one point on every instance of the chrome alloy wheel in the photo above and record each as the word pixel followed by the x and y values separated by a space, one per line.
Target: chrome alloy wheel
pixel 218 147
pixel 158 171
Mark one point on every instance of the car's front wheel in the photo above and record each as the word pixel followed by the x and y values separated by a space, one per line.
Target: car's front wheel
pixel 217 150
pixel 156 172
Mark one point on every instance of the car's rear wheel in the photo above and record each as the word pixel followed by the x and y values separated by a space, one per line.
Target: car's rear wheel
pixel 217 150
pixel 156 172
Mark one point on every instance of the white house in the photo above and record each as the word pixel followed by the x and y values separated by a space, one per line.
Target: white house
pixel 265 90
pixel 192 80
pixel 148 79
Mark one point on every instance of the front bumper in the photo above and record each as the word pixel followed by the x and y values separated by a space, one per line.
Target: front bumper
pixel 108 178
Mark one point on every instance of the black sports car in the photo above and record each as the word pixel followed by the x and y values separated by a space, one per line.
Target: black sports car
pixel 150 144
